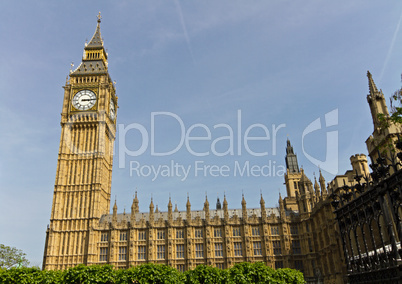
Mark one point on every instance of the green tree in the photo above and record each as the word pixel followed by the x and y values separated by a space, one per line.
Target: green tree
pixel 247 273
pixel 204 274
pixel 11 256
pixel 395 107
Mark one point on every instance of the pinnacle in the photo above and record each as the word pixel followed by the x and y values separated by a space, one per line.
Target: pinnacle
pixel 96 40
pixel 372 87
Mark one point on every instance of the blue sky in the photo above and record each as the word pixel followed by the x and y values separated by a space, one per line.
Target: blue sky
pixel 276 63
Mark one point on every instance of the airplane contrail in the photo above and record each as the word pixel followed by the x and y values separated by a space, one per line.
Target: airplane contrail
pixel 183 24
pixel 391 47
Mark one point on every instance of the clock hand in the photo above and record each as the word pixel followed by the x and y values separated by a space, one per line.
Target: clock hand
pixel 86 100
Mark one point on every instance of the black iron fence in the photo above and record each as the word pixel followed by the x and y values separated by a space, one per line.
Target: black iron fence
pixel 369 218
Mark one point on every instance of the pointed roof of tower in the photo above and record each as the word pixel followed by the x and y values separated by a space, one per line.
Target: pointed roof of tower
pixel 206 203
pixel 94 60
pixel 134 205
pixel 289 148
pixel 291 158
pixel 262 201
pixel 321 179
pixel 115 205
pixel 188 204
pixel 372 87
pixel 135 201
pixel 96 40
pixel 218 204
pixel 316 186
pixel 151 205
pixel 243 201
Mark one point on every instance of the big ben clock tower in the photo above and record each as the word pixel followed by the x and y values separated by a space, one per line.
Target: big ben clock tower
pixel 84 168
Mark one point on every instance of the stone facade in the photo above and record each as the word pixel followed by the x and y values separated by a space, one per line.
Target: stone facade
pixel 301 233
pixel 84 168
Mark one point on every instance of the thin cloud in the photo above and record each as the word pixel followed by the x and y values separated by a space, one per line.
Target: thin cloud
pixel 391 47
pixel 183 25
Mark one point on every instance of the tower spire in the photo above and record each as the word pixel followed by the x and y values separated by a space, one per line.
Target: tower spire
pixel 99 17
pixel 291 158
pixel 372 87
pixel 114 217
pixel 322 185
pixel 188 209
pixel 94 60
pixel 376 101
pixel 244 208
pixel 96 40
pixel 218 204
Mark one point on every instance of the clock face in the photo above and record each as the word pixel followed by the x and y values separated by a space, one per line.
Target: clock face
pixel 84 100
pixel 112 110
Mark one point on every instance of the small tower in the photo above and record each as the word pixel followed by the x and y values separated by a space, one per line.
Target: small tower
pixel 317 190
pixel 206 208
pixel 188 207
pixel 281 208
pixel 134 208
pixel 291 159
pixel 383 135
pixel 170 213
pixel 376 102
pixel 244 209
pixel 114 218
pixel 218 204
pixel 151 212
pixel 263 210
pixel 324 191
pixel 292 177
pixel 359 164
pixel 225 208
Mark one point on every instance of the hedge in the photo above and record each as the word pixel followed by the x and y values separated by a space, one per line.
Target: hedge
pixel 241 273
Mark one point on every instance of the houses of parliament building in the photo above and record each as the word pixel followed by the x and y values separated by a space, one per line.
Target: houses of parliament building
pixel 301 233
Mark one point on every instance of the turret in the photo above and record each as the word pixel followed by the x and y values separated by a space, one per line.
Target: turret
pixel 324 191
pixel 291 159
pixel 134 208
pixel 376 101
pixel 292 175
pixel 206 208
pixel 281 207
pixel 263 210
pixel 170 213
pixel 188 207
pixel 359 164
pixel 244 209
pixel 218 204
pixel 225 208
pixel 383 135
pixel 114 218
pixel 151 211
pixel 316 190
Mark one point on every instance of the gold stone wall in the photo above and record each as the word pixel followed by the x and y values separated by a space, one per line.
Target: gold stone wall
pixel 301 233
